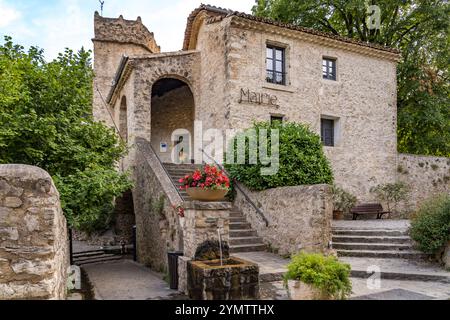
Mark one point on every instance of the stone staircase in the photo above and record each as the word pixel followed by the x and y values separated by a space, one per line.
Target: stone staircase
pixel 374 243
pixel 178 171
pixel 94 257
pixel 242 237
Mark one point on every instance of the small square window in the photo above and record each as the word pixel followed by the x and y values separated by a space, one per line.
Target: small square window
pixel 327 132
pixel 329 69
pixel 275 65
pixel 274 118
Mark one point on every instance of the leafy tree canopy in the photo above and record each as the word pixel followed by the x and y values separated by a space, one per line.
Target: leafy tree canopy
pixel 46 120
pixel 420 29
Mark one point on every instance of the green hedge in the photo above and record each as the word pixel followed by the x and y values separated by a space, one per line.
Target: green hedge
pixel 302 161
pixel 430 227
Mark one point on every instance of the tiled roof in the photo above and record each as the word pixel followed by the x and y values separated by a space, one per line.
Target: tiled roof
pixel 226 12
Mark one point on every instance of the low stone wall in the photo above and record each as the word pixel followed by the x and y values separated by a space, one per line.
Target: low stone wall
pixel 299 217
pixel 33 235
pixel 426 177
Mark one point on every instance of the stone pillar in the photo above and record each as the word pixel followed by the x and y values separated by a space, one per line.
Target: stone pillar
pixel 201 222
pixel 33 235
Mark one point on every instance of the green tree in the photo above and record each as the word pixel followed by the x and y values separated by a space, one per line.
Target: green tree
pixel 420 29
pixel 46 120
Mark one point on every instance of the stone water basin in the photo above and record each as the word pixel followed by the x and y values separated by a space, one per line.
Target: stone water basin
pixel 236 279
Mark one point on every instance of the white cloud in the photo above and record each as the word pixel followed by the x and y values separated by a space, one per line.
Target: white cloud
pixel 69 23
pixel 168 21
pixel 8 15
pixel 68 27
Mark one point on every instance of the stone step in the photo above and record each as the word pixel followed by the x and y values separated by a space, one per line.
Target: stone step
pixel 240 226
pixel 88 253
pixel 185 165
pixel 368 232
pixel 412 254
pixel 245 240
pixel 372 239
pixel 242 233
pixel 179 172
pixel 236 214
pixel 248 248
pixel 97 259
pixel 237 219
pixel 397 269
pixel 372 246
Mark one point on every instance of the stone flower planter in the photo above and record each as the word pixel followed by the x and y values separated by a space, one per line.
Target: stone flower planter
pixel 237 279
pixel 299 290
pixel 207 194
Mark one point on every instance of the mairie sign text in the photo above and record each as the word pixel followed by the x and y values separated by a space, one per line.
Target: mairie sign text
pixel 248 96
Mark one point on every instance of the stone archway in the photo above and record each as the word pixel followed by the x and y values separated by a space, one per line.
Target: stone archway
pixel 172 120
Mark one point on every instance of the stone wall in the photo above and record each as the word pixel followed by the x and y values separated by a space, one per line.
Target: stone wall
pixel 299 217
pixel 158 227
pixel 362 100
pixel 33 235
pixel 426 177
pixel 202 219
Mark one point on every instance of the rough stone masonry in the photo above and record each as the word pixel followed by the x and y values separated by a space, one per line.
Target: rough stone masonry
pixel 33 235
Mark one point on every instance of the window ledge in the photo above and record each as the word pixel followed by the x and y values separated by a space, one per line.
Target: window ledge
pixel 278 87
pixel 331 82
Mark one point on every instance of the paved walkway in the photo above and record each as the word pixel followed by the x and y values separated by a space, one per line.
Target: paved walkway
pixel 127 280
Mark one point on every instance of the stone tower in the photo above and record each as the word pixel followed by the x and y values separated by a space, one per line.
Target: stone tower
pixel 115 38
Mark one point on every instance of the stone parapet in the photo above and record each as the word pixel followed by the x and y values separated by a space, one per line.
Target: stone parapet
pixel 425 176
pixel 299 217
pixel 33 235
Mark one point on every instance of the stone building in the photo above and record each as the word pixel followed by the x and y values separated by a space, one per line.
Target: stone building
pixel 233 69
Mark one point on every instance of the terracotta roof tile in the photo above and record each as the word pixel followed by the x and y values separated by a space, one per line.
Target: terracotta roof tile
pixel 226 12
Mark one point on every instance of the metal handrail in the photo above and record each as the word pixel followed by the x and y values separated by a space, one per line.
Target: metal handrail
pixel 246 196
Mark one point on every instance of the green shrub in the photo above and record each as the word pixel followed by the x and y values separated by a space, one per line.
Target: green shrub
pixel 430 227
pixel 301 159
pixel 391 193
pixel 87 197
pixel 342 200
pixel 325 273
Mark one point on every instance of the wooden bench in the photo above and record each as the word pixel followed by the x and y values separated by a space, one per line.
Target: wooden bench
pixel 368 208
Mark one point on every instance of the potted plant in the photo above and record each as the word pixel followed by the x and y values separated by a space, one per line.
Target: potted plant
pixel 206 184
pixel 317 277
pixel 343 202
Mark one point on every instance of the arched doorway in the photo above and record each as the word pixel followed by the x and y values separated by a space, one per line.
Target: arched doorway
pixel 172 120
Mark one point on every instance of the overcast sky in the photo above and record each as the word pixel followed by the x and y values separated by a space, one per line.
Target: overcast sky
pixel 56 24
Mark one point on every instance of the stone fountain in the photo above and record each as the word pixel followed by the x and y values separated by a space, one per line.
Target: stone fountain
pixel 212 276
